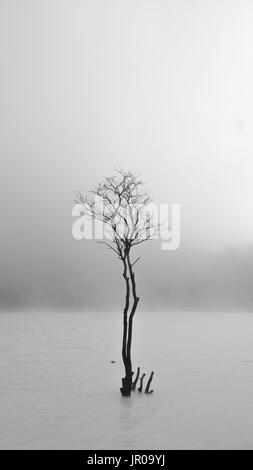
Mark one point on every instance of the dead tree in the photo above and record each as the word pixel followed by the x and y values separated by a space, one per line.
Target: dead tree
pixel 120 203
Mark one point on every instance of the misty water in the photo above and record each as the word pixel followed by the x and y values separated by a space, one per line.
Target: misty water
pixel 59 389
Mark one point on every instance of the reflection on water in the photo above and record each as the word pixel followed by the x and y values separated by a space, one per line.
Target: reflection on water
pixel 126 423
pixel 59 388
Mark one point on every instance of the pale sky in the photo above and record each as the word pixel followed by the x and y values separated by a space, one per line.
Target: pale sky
pixel 162 87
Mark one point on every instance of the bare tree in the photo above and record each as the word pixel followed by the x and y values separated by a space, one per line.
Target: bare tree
pixel 120 203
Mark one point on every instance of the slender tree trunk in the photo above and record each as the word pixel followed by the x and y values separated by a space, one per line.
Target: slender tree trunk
pixel 131 316
pixel 128 327
pixel 125 312
pixel 127 380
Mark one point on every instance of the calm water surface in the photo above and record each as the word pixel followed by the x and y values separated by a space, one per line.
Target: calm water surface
pixel 58 389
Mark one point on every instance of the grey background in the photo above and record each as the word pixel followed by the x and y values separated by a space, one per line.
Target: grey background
pixel 161 87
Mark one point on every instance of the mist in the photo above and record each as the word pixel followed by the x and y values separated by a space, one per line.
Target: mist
pixel 163 88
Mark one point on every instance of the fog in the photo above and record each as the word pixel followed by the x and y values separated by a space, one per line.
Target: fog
pixel 163 88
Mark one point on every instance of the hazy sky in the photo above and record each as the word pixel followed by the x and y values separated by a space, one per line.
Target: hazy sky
pixel 161 87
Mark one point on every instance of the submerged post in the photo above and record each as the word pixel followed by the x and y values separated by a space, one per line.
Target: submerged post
pixel 136 379
pixel 141 383
pixel 149 383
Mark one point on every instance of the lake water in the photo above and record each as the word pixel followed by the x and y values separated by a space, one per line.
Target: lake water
pixel 58 389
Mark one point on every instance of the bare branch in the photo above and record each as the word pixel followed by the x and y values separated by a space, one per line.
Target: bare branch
pixel 119 202
pixel 136 261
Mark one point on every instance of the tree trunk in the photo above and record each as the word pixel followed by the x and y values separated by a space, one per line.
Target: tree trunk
pixel 127 380
pixel 126 384
pixel 131 316
pixel 128 328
